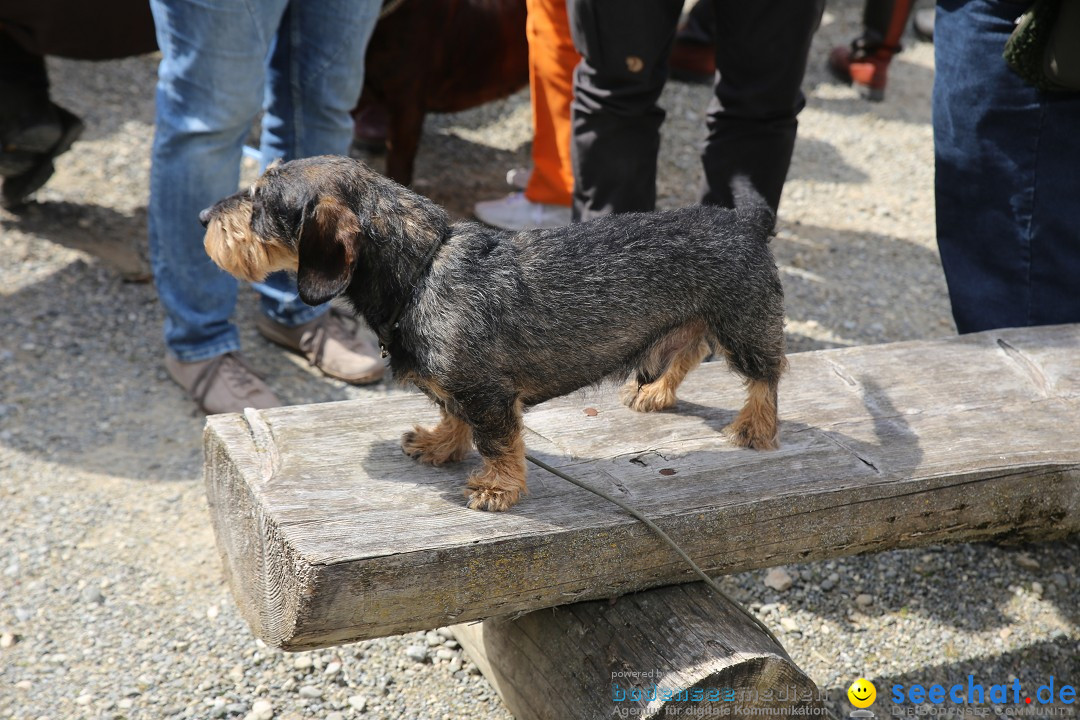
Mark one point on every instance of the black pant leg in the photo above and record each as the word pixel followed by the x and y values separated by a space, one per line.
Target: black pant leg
pixel 761 55
pixel 625 46
pixel 24 85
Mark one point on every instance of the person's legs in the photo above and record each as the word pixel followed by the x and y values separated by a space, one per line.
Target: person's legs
pixel 1006 188
pixel 865 62
pixel 33 129
pixel 24 90
pixel 552 59
pixel 208 94
pixel 616 122
pixel 752 118
pixel 315 75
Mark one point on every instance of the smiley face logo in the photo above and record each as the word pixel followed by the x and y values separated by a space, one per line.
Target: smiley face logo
pixel 862 693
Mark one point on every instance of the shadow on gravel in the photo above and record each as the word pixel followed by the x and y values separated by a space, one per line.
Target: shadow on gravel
pixel 828 165
pixel 970 587
pixel 823 268
pixel 83 384
pixel 904 99
pixel 117 239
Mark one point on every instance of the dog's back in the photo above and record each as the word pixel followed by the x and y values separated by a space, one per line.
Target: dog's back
pixel 588 301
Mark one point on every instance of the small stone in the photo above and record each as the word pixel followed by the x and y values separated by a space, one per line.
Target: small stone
pixel 7 640
pixel 332 668
pixel 1037 589
pixel 1027 562
pixel 863 600
pixel 445 654
pixel 212 612
pixel 446 633
pixel 416 653
pixel 335 716
pixel 358 702
pixel 84 699
pixel 261 710
pixel 23 685
pixel 455 665
pixel 789 625
pixel 827 585
pixel 778 579
pixel 310 691
pixel 302 662
pixel 92 594
pixel 452 644
pixel 433 639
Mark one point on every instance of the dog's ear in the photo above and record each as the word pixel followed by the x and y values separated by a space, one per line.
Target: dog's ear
pixel 327 251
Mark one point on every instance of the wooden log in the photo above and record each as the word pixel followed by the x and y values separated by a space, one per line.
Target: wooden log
pixel 330 534
pixel 681 648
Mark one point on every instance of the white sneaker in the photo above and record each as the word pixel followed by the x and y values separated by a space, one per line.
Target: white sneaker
pixel 515 212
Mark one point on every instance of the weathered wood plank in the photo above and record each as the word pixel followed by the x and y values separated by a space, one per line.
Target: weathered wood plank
pixel 338 536
pixel 681 650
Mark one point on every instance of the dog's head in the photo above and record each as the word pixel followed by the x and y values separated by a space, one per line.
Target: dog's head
pixel 317 216
pixel 292 218
pixel 235 248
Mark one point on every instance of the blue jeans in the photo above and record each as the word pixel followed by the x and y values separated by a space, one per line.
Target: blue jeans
pixel 223 62
pixel 1007 181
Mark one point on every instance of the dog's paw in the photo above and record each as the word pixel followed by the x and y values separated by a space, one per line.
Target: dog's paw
pixel 653 397
pixel 489 489
pixel 492 499
pixel 747 435
pixel 431 448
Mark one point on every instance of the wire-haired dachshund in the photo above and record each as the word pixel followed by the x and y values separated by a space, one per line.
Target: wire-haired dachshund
pixel 488 322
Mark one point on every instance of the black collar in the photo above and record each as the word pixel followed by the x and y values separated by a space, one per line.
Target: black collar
pixel 386 337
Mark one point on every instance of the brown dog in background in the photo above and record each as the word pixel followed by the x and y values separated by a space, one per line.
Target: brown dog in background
pixel 444 56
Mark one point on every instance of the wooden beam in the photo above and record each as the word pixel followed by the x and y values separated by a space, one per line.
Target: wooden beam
pixel 330 534
pixel 681 649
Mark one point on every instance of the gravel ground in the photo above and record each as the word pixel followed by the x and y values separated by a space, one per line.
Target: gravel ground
pixel 112 603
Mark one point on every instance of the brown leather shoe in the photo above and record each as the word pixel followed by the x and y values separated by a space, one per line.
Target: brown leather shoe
pixel 331 343
pixel 224 384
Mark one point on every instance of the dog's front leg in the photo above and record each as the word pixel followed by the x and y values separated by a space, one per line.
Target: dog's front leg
pixel 501 482
pixel 447 442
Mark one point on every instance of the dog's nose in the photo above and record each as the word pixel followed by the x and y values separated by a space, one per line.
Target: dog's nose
pixel 204 217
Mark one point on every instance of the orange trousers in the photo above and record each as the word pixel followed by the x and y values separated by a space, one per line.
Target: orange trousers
pixel 552 59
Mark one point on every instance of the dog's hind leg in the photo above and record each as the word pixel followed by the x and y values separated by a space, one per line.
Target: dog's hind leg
pixel 677 354
pixel 757 426
pixel 498 433
pixel 447 442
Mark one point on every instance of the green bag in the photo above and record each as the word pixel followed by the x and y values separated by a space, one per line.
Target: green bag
pixel 1044 49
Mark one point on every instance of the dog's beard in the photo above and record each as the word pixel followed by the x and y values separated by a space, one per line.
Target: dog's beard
pixel 235 250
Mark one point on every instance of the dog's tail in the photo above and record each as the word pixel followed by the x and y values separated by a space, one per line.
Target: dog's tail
pixel 751 208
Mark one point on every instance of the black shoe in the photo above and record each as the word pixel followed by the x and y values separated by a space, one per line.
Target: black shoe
pixel 34 166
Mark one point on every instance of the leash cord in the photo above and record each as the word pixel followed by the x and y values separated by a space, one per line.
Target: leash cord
pixel 661 534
